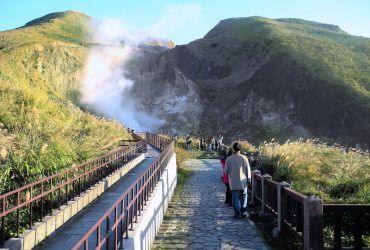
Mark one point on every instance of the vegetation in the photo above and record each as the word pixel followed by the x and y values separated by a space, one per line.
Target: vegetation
pixel 247 147
pixel 43 128
pixel 317 46
pixel 333 173
pixel 68 27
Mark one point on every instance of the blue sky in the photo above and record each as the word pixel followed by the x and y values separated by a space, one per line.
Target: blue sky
pixel 184 21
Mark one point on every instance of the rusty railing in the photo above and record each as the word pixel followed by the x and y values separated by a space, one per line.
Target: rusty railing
pixel 22 207
pixel 157 141
pixel 114 225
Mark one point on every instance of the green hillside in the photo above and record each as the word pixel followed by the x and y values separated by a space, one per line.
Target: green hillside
pixel 43 129
pixel 315 45
pixel 70 27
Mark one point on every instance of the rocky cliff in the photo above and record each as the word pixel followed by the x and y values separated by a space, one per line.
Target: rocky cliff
pixel 259 78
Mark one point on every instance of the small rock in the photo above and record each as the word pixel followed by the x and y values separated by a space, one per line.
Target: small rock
pixel 3 153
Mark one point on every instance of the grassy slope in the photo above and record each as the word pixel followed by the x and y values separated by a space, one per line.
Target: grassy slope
pixel 324 49
pixel 333 173
pixel 42 130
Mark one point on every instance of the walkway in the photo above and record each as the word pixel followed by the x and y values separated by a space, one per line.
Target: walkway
pixel 71 232
pixel 199 219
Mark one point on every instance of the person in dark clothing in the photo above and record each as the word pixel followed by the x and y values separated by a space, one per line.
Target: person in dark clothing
pixel 188 143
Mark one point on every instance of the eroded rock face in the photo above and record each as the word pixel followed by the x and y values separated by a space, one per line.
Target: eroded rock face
pixel 245 88
pixel 255 97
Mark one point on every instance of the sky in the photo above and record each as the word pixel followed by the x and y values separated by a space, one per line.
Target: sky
pixel 185 21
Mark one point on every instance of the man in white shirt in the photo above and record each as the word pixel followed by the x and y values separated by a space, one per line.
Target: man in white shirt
pixel 239 173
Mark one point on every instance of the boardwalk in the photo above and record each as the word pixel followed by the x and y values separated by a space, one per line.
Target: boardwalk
pixel 70 233
pixel 199 219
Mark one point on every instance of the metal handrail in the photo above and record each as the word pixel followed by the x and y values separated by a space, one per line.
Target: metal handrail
pixel 134 198
pixel 84 175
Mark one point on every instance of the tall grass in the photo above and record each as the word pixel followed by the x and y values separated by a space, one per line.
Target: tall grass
pixel 43 130
pixel 334 173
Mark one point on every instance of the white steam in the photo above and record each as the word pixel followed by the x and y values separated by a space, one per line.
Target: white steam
pixel 105 86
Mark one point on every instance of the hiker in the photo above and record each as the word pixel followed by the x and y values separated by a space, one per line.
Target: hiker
pixel 188 143
pixel 205 144
pixel 239 173
pixel 213 142
pixel 220 139
pixel 228 200
pixel 209 142
pixel 201 143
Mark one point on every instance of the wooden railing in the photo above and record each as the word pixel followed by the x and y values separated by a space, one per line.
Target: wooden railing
pixel 350 224
pixel 305 215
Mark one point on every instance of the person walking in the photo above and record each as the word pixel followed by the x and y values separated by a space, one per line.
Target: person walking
pixel 213 142
pixel 239 173
pixel 188 143
pixel 199 144
pixel 209 143
pixel 205 145
pixel 228 200
pixel 220 138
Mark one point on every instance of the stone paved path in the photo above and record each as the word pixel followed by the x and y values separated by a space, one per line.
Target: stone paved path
pixel 199 219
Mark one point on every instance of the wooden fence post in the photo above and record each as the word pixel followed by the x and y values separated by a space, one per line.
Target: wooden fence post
pixel 279 202
pixel 254 184
pixel 313 223
pixel 264 191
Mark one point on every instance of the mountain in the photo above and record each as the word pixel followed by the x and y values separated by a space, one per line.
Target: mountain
pixel 253 78
pixel 259 78
pixel 43 127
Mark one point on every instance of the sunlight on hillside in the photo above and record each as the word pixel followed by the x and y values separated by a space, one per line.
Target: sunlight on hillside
pixel 333 173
